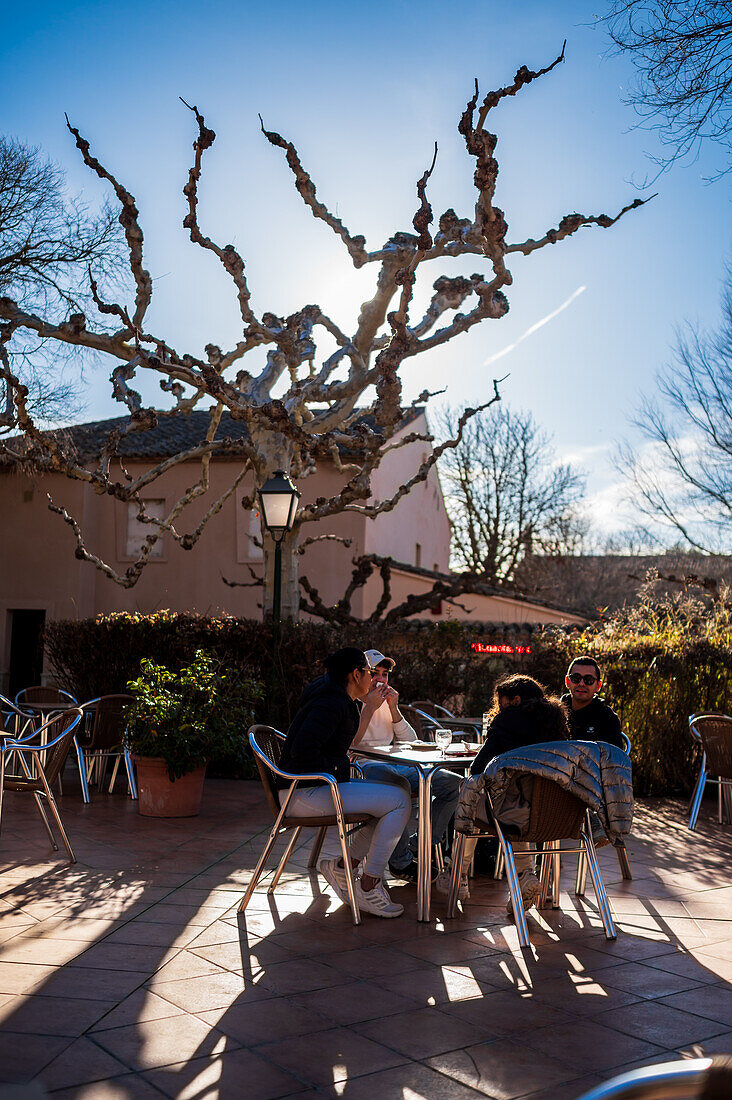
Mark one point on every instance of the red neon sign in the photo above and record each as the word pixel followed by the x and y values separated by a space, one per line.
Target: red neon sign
pixel 489 647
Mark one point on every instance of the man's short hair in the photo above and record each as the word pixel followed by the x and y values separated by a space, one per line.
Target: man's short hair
pixel 585 661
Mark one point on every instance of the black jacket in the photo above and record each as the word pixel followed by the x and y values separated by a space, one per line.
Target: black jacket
pixel 532 723
pixel 321 732
pixel 595 722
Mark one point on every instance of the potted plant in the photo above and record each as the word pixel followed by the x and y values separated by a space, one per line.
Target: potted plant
pixel 178 722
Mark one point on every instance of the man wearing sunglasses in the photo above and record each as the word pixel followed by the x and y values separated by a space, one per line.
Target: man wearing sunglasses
pixel 589 716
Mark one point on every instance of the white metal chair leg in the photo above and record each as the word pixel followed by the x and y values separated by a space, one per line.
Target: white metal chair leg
pixel 115 769
pixel 500 865
pixel 130 772
pixel 602 899
pixel 82 770
pixel 580 881
pixel 267 849
pixel 56 814
pixel 458 849
pixel 317 847
pixel 698 794
pixel 42 812
pixel 546 868
pixel 699 780
pixel 515 890
pixel 439 858
pixel 345 854
pixel 285 857
pixel 556 860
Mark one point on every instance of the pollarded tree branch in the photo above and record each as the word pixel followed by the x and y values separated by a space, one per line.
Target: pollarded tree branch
pixel 571 223
pixel 306 188
pixel 228 255
pixel 129 220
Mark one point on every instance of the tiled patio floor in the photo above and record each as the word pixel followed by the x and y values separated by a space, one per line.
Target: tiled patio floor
pixel 130 975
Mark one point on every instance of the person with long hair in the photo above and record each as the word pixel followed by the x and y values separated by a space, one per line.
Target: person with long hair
pixel 318 740
pixel 522 714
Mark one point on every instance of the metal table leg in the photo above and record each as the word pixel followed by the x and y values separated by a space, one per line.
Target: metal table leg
pixel 424 843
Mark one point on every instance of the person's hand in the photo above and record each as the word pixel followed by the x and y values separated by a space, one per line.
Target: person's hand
pixel 392 698
pixel 374 699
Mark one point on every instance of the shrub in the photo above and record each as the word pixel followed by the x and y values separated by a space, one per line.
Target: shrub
pixel 190 717
pixel 662 661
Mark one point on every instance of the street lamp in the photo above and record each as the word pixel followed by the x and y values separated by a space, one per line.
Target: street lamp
pixel 278 499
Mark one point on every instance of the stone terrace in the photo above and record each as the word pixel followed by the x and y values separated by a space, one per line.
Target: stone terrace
pixel 130 974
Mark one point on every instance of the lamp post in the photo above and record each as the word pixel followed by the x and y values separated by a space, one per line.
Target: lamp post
pixel 278 499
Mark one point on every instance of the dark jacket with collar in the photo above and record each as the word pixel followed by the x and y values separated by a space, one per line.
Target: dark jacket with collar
pixel 532 723
pixel 595 722
pixel 321 732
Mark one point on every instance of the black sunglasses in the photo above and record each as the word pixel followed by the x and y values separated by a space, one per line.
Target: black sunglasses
pixel 577 678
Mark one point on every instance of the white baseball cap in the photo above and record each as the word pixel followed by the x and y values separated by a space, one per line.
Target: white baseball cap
pixel 376 658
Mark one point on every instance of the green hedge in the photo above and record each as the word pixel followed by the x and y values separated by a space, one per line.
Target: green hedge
pixel 662 663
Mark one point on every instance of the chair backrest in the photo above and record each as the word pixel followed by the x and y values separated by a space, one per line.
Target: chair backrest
pixel 109 721
pixel 434 710
pixel 414 718
pixel 42 695
pixel 62 726
pixel 715 733
pixel 270 743
pixel 555 813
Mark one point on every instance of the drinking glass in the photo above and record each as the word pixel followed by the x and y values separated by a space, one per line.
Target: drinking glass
pixel 443 738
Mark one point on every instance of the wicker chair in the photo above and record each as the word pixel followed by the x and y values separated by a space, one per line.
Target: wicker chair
pixel 555 815
pixel 714 733
pixel 48 746
pixel 104 737
pixel 267 746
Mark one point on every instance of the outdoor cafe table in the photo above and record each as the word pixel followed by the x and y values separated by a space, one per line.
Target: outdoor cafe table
pixel 425 763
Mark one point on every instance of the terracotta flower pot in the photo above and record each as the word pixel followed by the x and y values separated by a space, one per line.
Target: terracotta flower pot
pixel 159 796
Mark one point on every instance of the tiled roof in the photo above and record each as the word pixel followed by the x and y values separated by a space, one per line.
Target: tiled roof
pixel 171 435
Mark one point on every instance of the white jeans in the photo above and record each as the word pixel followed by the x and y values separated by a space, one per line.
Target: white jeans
pixel 390 805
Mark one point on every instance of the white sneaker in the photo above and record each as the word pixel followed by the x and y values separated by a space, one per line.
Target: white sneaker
pixel 377 901
pixel 335 876
pixel 530 888
pixel 443 880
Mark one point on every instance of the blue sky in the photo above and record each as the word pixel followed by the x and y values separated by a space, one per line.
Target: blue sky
pixel 364 92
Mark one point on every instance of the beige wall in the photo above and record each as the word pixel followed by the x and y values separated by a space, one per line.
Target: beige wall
pixel 38 569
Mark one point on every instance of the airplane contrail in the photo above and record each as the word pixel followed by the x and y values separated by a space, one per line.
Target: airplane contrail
pixel 532 329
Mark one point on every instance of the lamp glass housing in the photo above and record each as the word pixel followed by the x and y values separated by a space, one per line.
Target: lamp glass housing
pixel 278 498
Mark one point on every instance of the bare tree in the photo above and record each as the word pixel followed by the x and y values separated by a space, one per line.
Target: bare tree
pixel 317 417
pixel 682 479
pixel 682 50
pixel 506 495
pixel 48 240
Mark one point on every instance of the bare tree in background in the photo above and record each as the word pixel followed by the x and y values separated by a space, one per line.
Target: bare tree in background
pixel 317 417
pixel 682 480
pixel 506 495
pixel 682 50
pixel 48 240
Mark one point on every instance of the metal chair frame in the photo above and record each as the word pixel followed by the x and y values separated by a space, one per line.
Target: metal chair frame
pixel 424 706
pixel 278 827
pixel 619 846
pixel 682 1080
pixel 89 758
pixel 550 857
pixel 30 782
pixel 724 783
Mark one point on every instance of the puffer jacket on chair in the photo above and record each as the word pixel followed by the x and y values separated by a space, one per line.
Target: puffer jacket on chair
pixel 597 773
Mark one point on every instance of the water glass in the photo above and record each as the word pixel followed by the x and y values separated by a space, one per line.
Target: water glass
pixel 443 738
